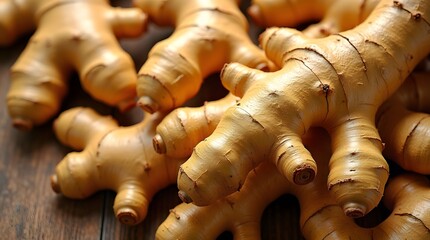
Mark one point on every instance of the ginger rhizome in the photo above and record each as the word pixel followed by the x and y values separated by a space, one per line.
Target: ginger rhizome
pixel 207 35
pixel 121 159
pixel 72 36
pixel 403 122
pixel 240 212
pixel 333 15
pixel 182 129
pixel 406 196
pixel 15 20
pixel 337 82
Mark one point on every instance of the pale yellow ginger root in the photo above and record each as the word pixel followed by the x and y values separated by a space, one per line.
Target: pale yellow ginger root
pixel 72 35
pixel 404 124
pixel 240 213
pixel 337 82
pixel 16 18
pixel 333 16
pixel 121 159
pixel 407 196
pixel 182 129
pixel 207 35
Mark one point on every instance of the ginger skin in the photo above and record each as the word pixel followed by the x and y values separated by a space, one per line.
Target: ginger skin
pixel 337 82
pixel 15 20
pixel 182 129
pixel 121 159
pixel 73 36
pixel 334 15
pixel 406 195
pixel 240 212
pixel 403 123
pixel 207 35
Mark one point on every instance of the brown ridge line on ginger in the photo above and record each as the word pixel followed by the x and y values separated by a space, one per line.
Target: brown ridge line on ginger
pixel 252 117
pixel 271 37
pixel 358 52
pixel 393 59
pixel 324 88
pixel 416 16
pixel 410 215
pixel 408 138
pixel 100 142
pixel 240 184
pixel 153 109
pixel 318 212
pixel 346 180
pixel 216 10
pixel 330 64
pixel 329 233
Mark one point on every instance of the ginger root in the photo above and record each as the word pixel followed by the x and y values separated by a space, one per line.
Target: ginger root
pixel 406 196
pixel 121 159
pixel 403 122
pixel 207 35
pixel 182 129
pixel 337 82
pixel 71 35
pixel 333 15
pixel 15 20
pixel 240 212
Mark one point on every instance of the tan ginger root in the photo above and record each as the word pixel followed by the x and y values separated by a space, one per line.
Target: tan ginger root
pixel 190 125
pixel 404 124
pixel 207 35
pixel 15 20
pixel 73 35
pixel 117 158
pixel 407 196
pixel 333 15
pixel 337 82
pixel 241 211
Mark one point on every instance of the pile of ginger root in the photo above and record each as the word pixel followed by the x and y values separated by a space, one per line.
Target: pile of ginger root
pixel 329 103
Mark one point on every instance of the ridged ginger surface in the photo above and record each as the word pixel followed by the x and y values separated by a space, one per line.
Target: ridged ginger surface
pixel 121 159
pixel 337 82
pixel 71 35
pixel 404 124
pixel 207 35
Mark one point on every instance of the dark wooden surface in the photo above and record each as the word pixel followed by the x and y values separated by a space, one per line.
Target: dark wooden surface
pixel 29 209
